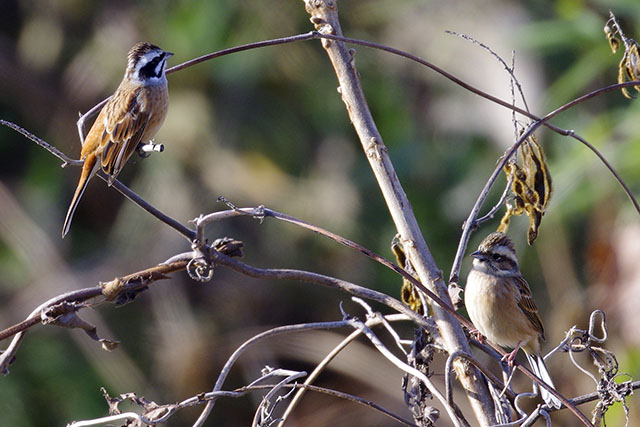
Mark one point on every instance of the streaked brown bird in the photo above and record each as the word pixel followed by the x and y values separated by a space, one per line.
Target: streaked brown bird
pixel 133 115
pixel 501 307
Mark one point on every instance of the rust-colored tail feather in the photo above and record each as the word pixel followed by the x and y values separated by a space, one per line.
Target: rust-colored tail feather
pixel 89 168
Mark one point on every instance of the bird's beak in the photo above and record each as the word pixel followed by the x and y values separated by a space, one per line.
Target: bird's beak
pixel 478 255
pixel 168 54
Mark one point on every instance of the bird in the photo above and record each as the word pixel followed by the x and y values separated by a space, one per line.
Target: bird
pixel 132 115
pixel 499 302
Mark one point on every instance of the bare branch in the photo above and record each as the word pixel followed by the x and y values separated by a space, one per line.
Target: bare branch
pixel 240 350
pixel 121 289
pixel 329 357
pixel 262 212
pixel 104 420
pixel 171 409
pixel 455 417
pixel 42 143
pixel 332 282
pixel 127 286
pixel 324 16
pixel 508 69
pixel 470 222
pixel 119 186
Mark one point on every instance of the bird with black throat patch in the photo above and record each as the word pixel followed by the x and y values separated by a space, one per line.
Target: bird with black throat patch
pixel 131 116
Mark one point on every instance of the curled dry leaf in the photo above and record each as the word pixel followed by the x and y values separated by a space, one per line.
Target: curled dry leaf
pixel 531 187
pixel 66 315
pixel 629 66
pixel 409 295
pixel 614 42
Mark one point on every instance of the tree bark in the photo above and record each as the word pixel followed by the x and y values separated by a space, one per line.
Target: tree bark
pixel 324 15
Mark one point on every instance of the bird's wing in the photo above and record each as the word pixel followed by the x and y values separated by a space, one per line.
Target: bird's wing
pixel 126 119
pixel 528 305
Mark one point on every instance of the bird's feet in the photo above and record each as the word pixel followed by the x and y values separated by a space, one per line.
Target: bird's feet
pixel 475 334
pixel 510 357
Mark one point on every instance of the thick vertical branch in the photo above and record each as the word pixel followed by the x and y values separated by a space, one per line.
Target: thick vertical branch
pixel 324 15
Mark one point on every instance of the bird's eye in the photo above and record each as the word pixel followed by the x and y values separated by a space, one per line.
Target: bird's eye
pixel 497 257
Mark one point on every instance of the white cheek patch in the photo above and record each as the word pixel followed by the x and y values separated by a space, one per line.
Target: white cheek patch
pixel 141 63
pixel 160 67
pixel 480 265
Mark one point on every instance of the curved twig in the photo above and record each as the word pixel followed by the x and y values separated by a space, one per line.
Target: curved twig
pixel 262 212
pixel 449 369
pixel 317 35
pixel 240 350
pixel 498 205
pixel 508 69
pixel 130 283
pixel 470 222
pixel 117 185
pixel 327 359
pixel 306 276
pixel 455 416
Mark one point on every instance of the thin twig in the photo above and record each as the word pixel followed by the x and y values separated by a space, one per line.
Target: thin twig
pixel 118 185
pixel 306 276
pixel 131 283
pixel 105 420
pixel 508 69
pixel 8 355
pixel 42 143
pixel 449 371
pixel 226 369
pixel 453 415
pixel 135 198
pixel 328 358
pixel 262 212
pixel 199 399
pixel 498 205
pixel 262 415
pixel 470 222
pixel 358 400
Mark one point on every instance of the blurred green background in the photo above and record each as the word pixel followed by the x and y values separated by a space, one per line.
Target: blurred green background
pixel 268 127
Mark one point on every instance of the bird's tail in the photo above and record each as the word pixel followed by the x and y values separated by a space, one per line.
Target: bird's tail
pixel 89 168
pixel 540 369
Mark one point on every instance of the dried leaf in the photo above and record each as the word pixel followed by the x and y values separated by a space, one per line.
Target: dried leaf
pixel 531 187
pixel 538 177
pixel 408 293
pixel 228 246
pixel 614 43
pixel 66 315
pixel 629 66
pixel 455 294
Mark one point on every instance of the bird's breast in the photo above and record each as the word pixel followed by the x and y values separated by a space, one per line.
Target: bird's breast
pixel 156 100
pixel 492 305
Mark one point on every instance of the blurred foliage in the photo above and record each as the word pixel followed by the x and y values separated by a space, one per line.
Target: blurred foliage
pixel 268 127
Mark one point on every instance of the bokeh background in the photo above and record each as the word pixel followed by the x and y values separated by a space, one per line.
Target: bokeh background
pixel 268 127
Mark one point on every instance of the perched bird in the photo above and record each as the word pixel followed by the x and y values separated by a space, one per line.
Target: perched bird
pixel 500 305
pixel 133 115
